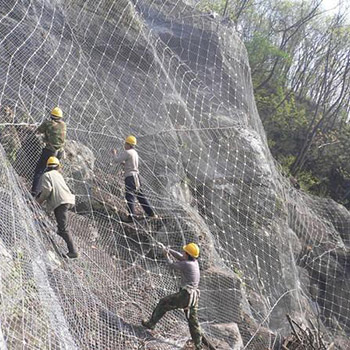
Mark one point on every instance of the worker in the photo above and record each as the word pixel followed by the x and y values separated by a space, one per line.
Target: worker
pixel 187 297
pixel 54 131
pixel 59 199
pixel 130 158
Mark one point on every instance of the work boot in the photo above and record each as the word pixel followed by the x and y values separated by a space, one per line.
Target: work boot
pixel 127 219
pixel 71 255
pixel 153 216
pixel 147 324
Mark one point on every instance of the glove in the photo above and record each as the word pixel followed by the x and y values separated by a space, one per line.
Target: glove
pixel 161 246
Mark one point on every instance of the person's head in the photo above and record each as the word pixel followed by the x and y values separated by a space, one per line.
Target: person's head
pixel 56 113
pixel 130 142
pixel 52 164
pixel 191 251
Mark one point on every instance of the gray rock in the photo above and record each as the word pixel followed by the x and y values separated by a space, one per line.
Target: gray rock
pixel 230 332
pixel 79 161
pixel 180 81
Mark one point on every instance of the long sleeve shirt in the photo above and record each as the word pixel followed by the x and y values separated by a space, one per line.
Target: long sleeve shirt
pixel 54 133
pixel 190 274
pixel 131 161
pixel 54 190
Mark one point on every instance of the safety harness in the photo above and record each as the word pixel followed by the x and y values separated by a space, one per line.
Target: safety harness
pixel 137 182
pixel 194 294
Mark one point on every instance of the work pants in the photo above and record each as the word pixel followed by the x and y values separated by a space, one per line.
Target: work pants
pixel 179 300
pixel 133 189
pixel 61 214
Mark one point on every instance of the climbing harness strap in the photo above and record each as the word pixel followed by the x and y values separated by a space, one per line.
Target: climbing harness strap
pixel 137 182
pixel 192 301
pixel 60 153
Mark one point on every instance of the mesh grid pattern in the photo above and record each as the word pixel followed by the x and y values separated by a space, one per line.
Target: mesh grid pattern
pixel 180 81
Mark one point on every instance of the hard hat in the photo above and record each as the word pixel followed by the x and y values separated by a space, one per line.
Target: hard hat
pixel 57 112
pixel 131 140
pixel 52 162
pixel 192 249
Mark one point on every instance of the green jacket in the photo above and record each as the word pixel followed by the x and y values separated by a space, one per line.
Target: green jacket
pixel 54 133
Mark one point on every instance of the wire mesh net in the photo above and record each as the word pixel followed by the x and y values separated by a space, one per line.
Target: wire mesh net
pixel 179 80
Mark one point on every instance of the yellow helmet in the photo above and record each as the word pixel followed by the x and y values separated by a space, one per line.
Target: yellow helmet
pixel 192 249
pixel 52 161
pixel 131 140
pixel 57 112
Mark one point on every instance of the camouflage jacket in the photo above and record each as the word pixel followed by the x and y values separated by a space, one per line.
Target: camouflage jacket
pixel 54 134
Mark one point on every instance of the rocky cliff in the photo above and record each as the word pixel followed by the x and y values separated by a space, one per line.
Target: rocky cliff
pixel 180 81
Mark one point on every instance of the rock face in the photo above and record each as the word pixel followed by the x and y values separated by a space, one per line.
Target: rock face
pixel 180 81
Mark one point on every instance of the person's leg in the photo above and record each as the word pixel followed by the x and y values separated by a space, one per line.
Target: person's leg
pixel 39 170
pixel 61 214
pixel 141 197
pixel 129 194
pixel 171 302
pixel 144 203
pixel 195 328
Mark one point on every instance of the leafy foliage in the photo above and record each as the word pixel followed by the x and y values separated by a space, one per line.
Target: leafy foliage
pixel 300 64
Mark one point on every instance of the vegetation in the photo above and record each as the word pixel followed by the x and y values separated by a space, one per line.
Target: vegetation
pixel 300 61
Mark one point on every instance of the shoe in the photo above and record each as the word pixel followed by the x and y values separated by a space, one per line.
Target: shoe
pixel 147 324
pixel 128 219
pixel 153 216
pixel 71 255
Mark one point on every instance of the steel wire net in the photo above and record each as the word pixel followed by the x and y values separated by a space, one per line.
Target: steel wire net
pixel 179 80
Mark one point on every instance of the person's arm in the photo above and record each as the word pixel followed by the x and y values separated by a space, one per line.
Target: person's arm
pixel 122 157
pixel 170 254
pixel 177 265
pixel 177 255
pixel 41 129
pixel 64 133
pixel 46 188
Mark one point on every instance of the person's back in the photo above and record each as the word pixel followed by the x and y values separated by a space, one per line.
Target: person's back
pixel 54 131
pixel 55 190
pixel 58 198
pixel 130 158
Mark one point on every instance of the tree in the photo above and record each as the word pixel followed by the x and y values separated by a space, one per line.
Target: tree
pixel 300 65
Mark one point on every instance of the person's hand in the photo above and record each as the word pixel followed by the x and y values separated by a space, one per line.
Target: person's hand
pixel 166 252
pixel 162 246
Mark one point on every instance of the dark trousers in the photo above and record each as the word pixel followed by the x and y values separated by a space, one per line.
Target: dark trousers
pixel 40 168
pixel 61 214
pixel 179 300
pixel 131 192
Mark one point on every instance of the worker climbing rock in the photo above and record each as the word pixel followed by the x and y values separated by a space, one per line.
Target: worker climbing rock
pixel 54 131
pixel 59 199
pixel 187 297
pixel 130 158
